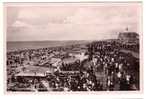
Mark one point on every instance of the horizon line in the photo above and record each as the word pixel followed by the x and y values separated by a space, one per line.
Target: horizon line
pixel 59 40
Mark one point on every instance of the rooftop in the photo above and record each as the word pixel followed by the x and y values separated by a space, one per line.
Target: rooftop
pixel 34 71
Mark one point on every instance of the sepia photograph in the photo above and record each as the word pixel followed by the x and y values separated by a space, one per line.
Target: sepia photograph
pixel 73 47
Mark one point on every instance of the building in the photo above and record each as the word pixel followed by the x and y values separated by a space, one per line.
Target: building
pixel 79 55
pixel 70 60
pixel 56 62
pixel 128 38
pixel 34 71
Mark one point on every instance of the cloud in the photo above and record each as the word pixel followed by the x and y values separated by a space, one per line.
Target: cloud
pixel 19 24
pixel 45 14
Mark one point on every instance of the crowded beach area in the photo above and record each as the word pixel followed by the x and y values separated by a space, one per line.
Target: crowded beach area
pixel 104 65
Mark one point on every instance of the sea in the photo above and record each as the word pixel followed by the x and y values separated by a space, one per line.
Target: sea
pixel 21 45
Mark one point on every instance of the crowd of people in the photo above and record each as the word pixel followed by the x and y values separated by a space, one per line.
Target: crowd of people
pixel 121 69
pixel 106 68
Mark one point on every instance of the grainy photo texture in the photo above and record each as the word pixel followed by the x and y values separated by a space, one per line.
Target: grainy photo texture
pixel 72 47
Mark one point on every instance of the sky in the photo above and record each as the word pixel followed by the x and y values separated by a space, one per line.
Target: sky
pixel 72 21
